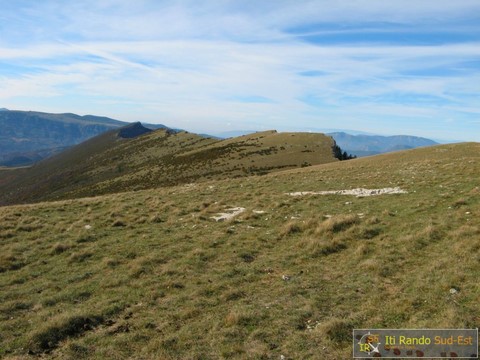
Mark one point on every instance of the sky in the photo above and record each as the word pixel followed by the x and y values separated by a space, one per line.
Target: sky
pixel 387 67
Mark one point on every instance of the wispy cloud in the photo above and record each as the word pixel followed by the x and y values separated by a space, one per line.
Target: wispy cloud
pixel 270 64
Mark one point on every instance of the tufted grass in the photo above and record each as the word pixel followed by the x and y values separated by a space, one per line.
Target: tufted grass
pixel 148 274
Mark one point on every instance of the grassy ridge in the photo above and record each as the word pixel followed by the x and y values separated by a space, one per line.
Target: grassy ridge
pixel 109 164
pixel 150 275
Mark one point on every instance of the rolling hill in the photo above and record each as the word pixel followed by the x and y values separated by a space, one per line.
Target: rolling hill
pixel 152 274
pixel 29 136
pixel 122 160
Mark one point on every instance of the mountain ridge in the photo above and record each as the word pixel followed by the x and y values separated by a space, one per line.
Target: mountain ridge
pixel 133 157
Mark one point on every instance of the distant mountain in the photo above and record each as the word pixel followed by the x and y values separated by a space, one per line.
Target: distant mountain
pixel 28 136
pixel 134 157
pixel 333 130
pixel 366 145
pixel 234 133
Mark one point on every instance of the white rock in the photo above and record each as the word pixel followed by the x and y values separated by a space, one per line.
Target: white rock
pixel 232 212
pixel 360 192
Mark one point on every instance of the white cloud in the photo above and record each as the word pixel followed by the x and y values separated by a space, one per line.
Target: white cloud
pixel 187 61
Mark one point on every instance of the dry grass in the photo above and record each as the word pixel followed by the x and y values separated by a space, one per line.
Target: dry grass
pixel 59 248
pixel 290 228
pixel 174 284
pixel 336 224
pixel 321 247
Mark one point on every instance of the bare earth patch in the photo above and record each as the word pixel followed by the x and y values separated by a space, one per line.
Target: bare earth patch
pixel 356 192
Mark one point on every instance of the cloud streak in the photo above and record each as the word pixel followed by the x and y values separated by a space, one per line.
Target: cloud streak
pixel 202 67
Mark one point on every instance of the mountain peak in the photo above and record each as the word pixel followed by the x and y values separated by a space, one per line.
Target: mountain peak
pixel 132 131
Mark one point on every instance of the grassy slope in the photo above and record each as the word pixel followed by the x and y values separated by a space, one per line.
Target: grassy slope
pixel 107 164
pixel 156 278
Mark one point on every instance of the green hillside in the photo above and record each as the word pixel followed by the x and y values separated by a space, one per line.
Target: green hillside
pixel 111 163
pixel 152 275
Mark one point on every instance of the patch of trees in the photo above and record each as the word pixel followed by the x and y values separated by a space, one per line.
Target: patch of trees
pixel 341 155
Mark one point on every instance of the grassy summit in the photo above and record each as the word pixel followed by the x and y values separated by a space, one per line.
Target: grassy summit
pixel 149 274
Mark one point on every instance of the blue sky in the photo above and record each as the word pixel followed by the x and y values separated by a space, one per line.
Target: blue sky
pixel 381 66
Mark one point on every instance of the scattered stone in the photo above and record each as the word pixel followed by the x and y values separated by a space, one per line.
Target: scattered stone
pixel 360 192
pixel 453 291
pixel 88 227
pixel 258 212
pixel 285 277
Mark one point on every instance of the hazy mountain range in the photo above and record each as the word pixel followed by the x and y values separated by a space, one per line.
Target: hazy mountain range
pixel 366 145
pixel 28 136
pixel 358 143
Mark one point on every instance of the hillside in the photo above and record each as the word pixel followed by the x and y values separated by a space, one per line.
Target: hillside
pixel 366 145
pixel 29 136
pixel 114 162
pixel 151 274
